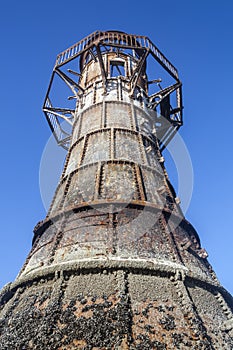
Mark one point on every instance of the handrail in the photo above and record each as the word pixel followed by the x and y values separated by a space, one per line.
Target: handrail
pixel 116 39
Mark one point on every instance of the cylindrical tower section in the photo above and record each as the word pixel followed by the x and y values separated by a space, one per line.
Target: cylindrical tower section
pixel 114 171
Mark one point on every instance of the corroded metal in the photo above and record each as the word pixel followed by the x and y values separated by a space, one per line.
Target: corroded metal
pixel 95 58
pixel 115 265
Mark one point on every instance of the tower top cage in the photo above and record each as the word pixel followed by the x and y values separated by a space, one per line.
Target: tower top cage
pixel 146 74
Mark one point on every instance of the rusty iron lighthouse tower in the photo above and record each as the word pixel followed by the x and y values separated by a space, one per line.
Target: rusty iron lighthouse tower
pixel 115 265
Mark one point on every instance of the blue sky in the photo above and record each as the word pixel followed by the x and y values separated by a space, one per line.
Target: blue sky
pixel 195 35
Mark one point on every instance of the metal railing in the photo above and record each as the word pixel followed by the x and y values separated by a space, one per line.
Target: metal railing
pixel 116 39
pixel 62 137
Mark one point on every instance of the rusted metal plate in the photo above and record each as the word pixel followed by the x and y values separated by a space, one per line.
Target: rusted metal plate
pixel 111 310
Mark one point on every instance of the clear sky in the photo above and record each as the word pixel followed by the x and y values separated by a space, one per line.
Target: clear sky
pixel 195 35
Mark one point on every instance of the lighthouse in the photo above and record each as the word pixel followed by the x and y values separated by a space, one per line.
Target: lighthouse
pixel 115 264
